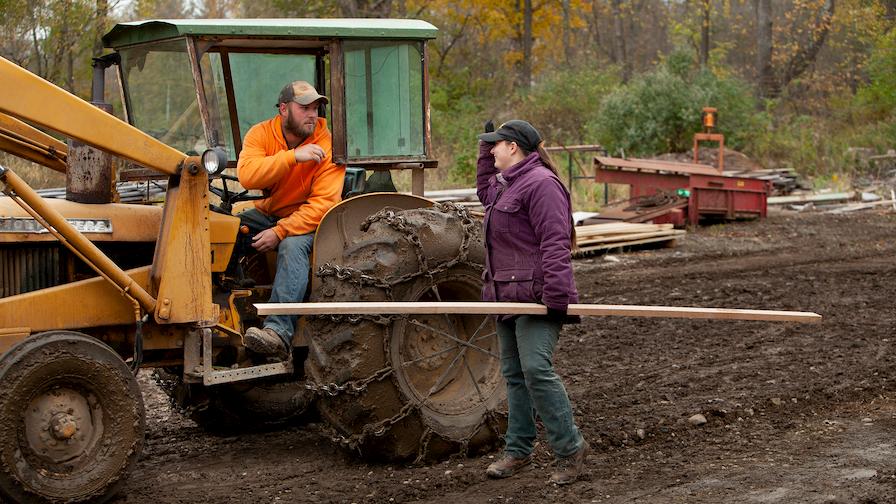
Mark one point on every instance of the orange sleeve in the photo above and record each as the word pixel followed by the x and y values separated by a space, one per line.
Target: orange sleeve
pixel 255 169
pixel 326 191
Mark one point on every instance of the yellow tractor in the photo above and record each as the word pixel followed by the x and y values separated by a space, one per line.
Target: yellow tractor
pixel 92 289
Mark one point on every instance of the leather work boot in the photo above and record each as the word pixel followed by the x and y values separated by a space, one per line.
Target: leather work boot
pixel 569 468
pixel 507 466
pixel 265 342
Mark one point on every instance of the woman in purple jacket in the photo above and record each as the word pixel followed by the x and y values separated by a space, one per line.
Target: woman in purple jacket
pixel 528 236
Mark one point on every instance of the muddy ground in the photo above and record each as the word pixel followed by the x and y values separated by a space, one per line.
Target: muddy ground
pixel 795 413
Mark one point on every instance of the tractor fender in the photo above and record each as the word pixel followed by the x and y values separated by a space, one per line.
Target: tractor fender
pixel 342 223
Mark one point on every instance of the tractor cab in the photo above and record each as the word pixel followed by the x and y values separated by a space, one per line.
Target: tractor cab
pixel 201 83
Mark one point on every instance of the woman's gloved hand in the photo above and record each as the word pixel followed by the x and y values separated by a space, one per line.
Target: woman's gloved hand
pixel 556 315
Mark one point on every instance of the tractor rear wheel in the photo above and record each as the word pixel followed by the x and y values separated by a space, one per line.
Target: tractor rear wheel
pixel 420 386
pixel 71 419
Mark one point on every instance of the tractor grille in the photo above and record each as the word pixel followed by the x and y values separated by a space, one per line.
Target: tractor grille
pixel 28 268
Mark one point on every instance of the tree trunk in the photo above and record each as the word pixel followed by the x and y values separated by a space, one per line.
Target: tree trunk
pixel 596 32
pixel 102 11
pixel 525 75
pixel 766 82
pixel 806 55
pixel 704 34
pixel 566 35
pixel 620 55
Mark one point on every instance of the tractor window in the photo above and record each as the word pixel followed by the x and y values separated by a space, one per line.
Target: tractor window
pixel 258 79
pixel 384 99
pixel 216 100
pixel 162 95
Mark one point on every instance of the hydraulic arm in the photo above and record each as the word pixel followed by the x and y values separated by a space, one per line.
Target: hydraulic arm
pixel 179 289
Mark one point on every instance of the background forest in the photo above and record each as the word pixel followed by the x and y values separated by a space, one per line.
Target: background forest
pixel 798 83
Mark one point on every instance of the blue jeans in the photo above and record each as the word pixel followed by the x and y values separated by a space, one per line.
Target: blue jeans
pixel 291 279
pixel 527 349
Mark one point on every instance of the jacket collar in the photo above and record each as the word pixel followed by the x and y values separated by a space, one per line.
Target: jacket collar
pixel 524 166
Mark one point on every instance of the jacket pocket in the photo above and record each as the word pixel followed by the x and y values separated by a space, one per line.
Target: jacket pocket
pixel 515 285
pixel 506 216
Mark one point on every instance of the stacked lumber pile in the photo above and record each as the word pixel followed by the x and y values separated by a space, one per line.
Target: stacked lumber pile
pixel 602 237
pixel 784 180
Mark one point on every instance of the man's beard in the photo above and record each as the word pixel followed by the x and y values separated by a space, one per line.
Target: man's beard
pixel 296 128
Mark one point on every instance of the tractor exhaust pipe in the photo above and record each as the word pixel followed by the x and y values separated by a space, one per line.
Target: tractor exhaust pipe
pixel 92 173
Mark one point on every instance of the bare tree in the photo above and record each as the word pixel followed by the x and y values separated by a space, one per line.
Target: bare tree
pixel 767 84
pixel 705 7
pixel 526 66
pixel 620 55
pixel 772 81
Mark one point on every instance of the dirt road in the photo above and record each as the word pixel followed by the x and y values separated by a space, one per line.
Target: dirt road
pixel 795 413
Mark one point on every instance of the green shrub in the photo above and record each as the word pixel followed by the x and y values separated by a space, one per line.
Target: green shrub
pixel 661 110
pixel 561 104
pixel 878 98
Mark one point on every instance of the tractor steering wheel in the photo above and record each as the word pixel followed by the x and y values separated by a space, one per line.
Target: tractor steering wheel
pixel 228 197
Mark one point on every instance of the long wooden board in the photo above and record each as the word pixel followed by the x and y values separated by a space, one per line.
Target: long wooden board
pixel 483 308
pixel 671 234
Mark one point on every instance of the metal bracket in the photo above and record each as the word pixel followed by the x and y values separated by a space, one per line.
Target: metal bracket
pixel 212 377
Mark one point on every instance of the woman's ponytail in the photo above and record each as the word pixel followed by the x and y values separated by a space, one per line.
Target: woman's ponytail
pixel 546 159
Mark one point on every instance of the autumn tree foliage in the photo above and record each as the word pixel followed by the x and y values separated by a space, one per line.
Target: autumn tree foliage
pixel 565 63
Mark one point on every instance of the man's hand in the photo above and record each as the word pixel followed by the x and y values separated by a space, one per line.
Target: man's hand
pixel 266 240
pixel 309 152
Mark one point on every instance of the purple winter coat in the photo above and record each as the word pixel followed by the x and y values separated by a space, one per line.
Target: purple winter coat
pixel 527 233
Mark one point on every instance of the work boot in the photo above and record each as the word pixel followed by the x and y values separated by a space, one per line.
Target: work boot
pixel 508 466
pixel 265 342
pixel 569 468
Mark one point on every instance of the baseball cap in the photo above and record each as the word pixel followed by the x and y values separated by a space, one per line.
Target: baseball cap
pixel 521 132
pixel 300 92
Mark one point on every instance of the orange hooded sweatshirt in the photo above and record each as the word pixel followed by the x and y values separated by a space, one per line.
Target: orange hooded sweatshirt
pixel 298 193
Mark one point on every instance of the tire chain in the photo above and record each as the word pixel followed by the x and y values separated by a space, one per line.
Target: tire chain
pixel 361 279
pixel 399 223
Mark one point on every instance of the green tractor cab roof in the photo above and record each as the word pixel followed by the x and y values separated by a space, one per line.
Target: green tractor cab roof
pixel 199 83
pixel 139 32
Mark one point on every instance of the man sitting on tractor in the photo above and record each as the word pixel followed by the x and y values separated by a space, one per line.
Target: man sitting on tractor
pixel 290 158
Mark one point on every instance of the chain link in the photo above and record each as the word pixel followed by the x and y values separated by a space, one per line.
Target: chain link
pixel 383 320
pixel 399 223
pixel 355 387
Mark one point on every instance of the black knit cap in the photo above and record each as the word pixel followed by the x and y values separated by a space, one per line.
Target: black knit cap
pixel 521 132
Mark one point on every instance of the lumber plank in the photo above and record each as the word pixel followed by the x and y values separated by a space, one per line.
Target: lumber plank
pixel 622 227
pixel 671 234
pixel 581 250
pixel 485 308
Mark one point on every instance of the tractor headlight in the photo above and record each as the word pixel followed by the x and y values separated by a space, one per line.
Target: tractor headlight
pixel 214 160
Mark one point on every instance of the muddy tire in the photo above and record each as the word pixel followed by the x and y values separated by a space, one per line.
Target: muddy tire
pixel 238 407
pixel 422 386
pixel 71 419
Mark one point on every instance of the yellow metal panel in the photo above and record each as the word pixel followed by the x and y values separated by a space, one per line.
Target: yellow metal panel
pixel 88 303
pixel 75 240
pixel 47 105
pixel 130 223
pixel 182 263
pixel 30 153
pixel 11 336
pixel 223 235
